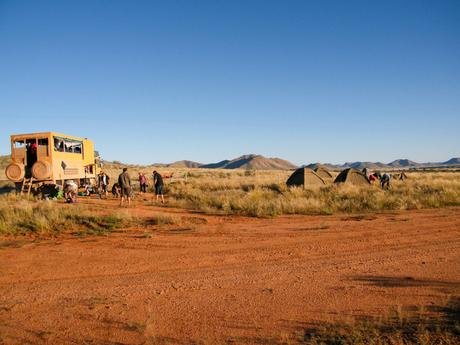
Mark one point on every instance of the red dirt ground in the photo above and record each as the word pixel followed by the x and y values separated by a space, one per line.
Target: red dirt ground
pixel 233 280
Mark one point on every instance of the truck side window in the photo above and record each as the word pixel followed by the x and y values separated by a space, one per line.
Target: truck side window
pixel 18 144
pixel 77 148
pixel 43 142
pixel 73 146
pixel 68 147
pixel 58 144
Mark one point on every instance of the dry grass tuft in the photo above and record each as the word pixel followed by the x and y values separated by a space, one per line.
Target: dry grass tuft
pixel 20 216
pixel 399 328
pixel 163 219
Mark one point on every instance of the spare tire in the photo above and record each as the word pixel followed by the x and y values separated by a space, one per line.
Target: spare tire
pixel 41 170
pixel 15 172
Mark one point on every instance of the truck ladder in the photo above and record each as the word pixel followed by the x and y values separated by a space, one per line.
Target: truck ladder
pixel 26 185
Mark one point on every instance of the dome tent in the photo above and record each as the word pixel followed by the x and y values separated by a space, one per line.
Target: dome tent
pixel 305 177
pixel 401 176
pixel 352 176
pixel 324 173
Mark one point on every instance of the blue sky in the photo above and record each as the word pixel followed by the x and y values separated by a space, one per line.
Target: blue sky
pixel 308 81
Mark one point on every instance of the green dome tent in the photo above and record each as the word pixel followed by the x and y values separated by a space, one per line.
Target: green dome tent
pixel 324 173
pixel 305 177
pixel 352 176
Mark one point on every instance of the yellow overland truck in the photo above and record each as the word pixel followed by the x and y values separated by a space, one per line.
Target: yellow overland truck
pixel 51 158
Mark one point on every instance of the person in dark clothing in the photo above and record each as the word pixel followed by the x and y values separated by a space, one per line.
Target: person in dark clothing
pixel 116 190
pixel 31 157
pixel 125 185
pixel 158 183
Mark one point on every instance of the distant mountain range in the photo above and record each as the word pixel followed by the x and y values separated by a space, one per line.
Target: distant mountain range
pixel 248 162
pixel 258 162
pixel 396 164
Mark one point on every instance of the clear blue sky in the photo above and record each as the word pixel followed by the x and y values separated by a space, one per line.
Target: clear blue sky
pixel 150 81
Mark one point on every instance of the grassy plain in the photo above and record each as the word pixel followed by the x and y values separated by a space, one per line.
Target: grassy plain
pixel 264 194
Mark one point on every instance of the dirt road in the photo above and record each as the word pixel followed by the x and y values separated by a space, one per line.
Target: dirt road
pixel 233 280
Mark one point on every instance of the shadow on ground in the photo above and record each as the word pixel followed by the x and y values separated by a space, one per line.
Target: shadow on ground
pixel 399 282
pixel 7 189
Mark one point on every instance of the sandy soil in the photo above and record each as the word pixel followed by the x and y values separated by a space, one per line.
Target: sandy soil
pixel 233 280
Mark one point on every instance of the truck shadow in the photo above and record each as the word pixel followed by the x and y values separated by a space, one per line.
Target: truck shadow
pixel 7 189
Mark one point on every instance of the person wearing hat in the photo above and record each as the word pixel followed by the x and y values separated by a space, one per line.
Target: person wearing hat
pixel 103 183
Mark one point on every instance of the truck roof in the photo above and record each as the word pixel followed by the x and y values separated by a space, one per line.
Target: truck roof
pixel 44 134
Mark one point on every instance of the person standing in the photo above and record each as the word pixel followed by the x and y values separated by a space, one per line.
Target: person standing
pixel 158 183
pixel 103 184
pixel 142 182
pixel 125 185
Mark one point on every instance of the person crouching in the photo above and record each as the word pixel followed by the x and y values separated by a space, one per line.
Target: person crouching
pixel 70 191
pixel 385 181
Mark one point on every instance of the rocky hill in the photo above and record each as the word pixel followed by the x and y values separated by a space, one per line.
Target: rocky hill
pixel 253 162
pixel 455 161
pixel 403 163
pixel 183 164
